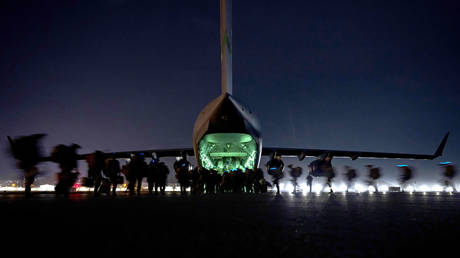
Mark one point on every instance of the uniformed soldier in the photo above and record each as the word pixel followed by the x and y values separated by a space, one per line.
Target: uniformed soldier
pixel 275 168
pixel 182 169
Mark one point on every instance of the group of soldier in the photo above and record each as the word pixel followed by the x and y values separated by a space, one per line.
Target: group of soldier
pixel 322 167
pixel 104 172
pixel 201 180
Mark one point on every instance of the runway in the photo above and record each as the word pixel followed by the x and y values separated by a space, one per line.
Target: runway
pixel 232 225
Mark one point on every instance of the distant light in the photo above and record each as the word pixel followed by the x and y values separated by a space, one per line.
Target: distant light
pixel 409 189
pixel 436 188
pixel 317 188
pixel 449 189
pixel 273 168
pixel 13 185
pixel 371 189
pixel 384 188
pixel 445 163
pixel 401 166
pixel 424 188
pixel 359 188
pixel 142 154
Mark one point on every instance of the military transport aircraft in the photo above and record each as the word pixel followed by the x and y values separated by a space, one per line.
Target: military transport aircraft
pixel 227 136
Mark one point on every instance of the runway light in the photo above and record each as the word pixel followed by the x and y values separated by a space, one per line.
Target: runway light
pixel 359 188
pixel 282 186
pixel 409 189
pixel 317 188
pixel 436 188
pixel 424 188
pixel 384 188
pixel 371 189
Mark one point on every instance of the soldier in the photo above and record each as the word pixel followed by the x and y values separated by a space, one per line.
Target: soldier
pixel 295 173
pixel 137 170
pixel 406 175
pixel 449 174
pixel 249 180
pixel 182 168
pixel 258 175
pixel 96 164
pixel 26 151
pixel 350 176
pixel 112 171
pixel 152 173
pixel 66 157
pixel 374 175
pixel 275 168
pixel 163 172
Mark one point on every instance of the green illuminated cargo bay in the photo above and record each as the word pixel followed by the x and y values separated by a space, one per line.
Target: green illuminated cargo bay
pixel 227 151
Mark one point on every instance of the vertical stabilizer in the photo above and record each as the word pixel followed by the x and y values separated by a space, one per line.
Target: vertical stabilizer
pixel 226 45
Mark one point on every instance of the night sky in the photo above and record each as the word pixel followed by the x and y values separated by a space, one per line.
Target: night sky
pixel 129 75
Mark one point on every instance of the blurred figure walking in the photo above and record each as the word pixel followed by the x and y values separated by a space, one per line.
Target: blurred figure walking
pixel 449 173
pixel 350 176
pixel 26 151
pixel 295 173
pixel 406 176
pixel 66 157
pixel 96 164
pixel 373 175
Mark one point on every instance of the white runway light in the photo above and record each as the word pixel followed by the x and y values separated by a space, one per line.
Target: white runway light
pixel 359 188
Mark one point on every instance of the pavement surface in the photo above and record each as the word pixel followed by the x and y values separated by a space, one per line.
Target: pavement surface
pixel 233 225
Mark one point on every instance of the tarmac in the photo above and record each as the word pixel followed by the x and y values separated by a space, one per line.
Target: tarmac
pixel 233 225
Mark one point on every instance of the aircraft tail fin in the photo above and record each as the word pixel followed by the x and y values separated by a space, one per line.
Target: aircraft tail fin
pixel 441 146
pixel 226 45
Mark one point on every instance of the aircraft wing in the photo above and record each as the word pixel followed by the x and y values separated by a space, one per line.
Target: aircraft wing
pixel 147 153
pixel 302 153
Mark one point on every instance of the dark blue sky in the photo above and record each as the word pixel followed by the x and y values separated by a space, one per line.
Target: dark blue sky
pixel 128 75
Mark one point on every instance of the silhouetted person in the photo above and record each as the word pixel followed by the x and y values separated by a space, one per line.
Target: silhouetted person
pixel 275 168
pixel 112 170
pixel 153 175
pixel 96 164
pixel 182 168
pixel 374 175
pixel 225 184
pixel 406 176
pixel 325 165
pixel 309 181
pixel 449 173
pixel 350 176
pixel 258 175
pixel 67 158
pixel 295 173
pixel 249 182
pixel 162 176
pixel 137 170
pixel 26 151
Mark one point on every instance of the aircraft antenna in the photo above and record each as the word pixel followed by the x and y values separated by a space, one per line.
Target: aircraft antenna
pixel 226 45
